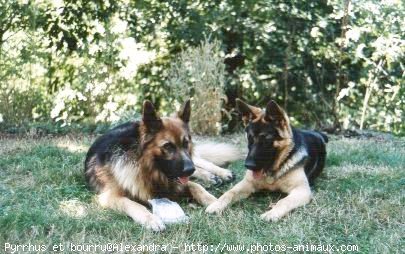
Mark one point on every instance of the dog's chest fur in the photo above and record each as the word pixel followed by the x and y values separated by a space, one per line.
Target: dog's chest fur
pixel 127 174
pixel 143 184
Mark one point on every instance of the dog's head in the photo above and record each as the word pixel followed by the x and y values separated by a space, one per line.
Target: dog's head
pixel 268 132
pixel 167 142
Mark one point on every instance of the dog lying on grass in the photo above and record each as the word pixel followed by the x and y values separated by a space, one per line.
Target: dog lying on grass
pixel 280 158
pixel 148 159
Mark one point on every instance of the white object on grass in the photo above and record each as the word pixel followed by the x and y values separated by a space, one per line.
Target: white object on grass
pixel 168 211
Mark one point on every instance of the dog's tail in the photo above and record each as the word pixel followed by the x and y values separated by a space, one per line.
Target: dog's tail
pixel 218 153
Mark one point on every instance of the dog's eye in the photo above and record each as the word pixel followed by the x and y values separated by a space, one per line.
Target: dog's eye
pixel 169 147
pixel 186 143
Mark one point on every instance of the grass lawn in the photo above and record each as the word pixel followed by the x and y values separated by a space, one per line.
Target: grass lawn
pixel 358 200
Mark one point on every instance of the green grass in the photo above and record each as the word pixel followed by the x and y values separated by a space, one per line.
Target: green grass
pixel 357 200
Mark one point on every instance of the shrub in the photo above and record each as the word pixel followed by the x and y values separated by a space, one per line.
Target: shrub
pixel 199 72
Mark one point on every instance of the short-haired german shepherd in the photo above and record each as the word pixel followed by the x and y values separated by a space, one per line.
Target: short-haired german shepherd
pixel 280 158
pixel 147 159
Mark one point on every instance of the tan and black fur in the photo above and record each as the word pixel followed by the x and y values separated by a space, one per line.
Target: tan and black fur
pixel 280 158
pixel 142 160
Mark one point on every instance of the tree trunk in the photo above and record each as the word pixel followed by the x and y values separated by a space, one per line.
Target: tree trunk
pixel 340 74
pixel 286 66
pixel 372 79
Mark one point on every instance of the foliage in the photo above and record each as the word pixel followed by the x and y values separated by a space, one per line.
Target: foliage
pixel 374 42
pixel 332 64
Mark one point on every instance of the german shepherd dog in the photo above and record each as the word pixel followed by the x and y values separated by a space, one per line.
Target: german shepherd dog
pixel 147 159
pixel 280 158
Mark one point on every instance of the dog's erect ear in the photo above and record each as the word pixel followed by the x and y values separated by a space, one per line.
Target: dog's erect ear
pixel 150 118
pixel 185 112
pixel 275 114
pixel 248 112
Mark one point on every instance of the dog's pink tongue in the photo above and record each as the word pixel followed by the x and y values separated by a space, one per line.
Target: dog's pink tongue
pixel 183 179
pixel 258 174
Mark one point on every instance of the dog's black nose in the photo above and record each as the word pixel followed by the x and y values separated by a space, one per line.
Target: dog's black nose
pixel 188 168
pixel 250 164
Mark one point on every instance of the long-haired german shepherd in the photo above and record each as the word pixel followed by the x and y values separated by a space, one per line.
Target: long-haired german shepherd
pixel 147 159
pixel 280 158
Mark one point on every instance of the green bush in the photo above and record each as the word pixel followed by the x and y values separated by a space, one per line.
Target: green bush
pixel 199 73
pixel 332 64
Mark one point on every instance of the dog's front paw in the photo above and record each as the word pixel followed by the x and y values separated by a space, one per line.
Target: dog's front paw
pixel 272 216
pixel 216 207
pixel 227 175
pixel 216 181
pixel 154 223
